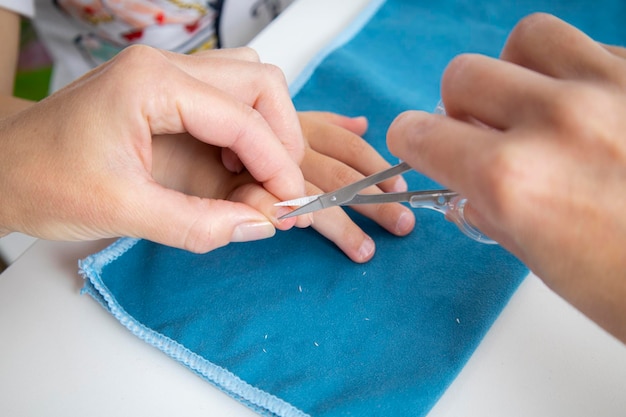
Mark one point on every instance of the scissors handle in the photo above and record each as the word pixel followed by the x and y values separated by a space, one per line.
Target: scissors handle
pixel 451 205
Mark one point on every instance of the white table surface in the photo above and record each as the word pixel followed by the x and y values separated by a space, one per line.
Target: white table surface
pixel 61 354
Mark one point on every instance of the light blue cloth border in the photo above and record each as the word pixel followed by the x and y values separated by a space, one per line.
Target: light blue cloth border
pixel 256 399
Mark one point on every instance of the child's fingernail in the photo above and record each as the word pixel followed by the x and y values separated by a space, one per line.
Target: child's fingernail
pixel 367 249
pixel 302 221
pixel 405 224
pixel 250 231
pixel 282 211
pixel 400 185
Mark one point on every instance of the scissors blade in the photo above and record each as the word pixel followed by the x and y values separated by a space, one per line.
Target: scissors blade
pixel 297 202
pixel 345 195
pixel 307 208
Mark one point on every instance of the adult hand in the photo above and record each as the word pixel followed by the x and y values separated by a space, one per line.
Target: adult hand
pixel 78 165
pixel 537 143
pixel 335 155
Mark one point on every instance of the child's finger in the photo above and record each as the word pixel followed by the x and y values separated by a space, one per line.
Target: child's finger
pixel 354 157
pixel 328 174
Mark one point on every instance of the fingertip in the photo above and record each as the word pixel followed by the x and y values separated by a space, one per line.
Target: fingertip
pixel 358 125
pixel 361 251
pixel 405 223
pixel 365 251
pixel 283 224
pixel 405 127
pixel 399 185
pixel 305 221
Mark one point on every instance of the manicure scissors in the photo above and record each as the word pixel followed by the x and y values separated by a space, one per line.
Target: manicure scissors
pixel 447 202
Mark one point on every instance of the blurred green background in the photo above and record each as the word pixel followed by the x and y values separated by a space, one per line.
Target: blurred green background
pixel 34 66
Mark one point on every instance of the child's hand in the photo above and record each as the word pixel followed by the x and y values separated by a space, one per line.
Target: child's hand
pixel 336 155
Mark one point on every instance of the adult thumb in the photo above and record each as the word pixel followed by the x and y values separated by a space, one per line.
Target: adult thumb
pixel 193 223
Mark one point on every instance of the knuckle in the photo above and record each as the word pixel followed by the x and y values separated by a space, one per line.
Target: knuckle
pixel 457 66
pixel 343 175
pixel 574 105
pixel 355 145
pixel 462 71
pixel 202 242
pixel 249 54
pixel 202 236
pixel 247 120
pixel 138 54
pixel 508 179
pixel 527 27
pixel 252 118
pixel 585 114
pixel 128 67
pixel 273 73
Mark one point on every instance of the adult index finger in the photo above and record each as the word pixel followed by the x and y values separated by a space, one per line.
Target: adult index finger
pixel 186 103
pixel 261 86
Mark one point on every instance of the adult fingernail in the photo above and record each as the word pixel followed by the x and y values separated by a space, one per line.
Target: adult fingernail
pixel 247 232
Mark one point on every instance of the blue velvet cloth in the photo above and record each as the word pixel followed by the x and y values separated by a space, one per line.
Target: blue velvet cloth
pixel 290 326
